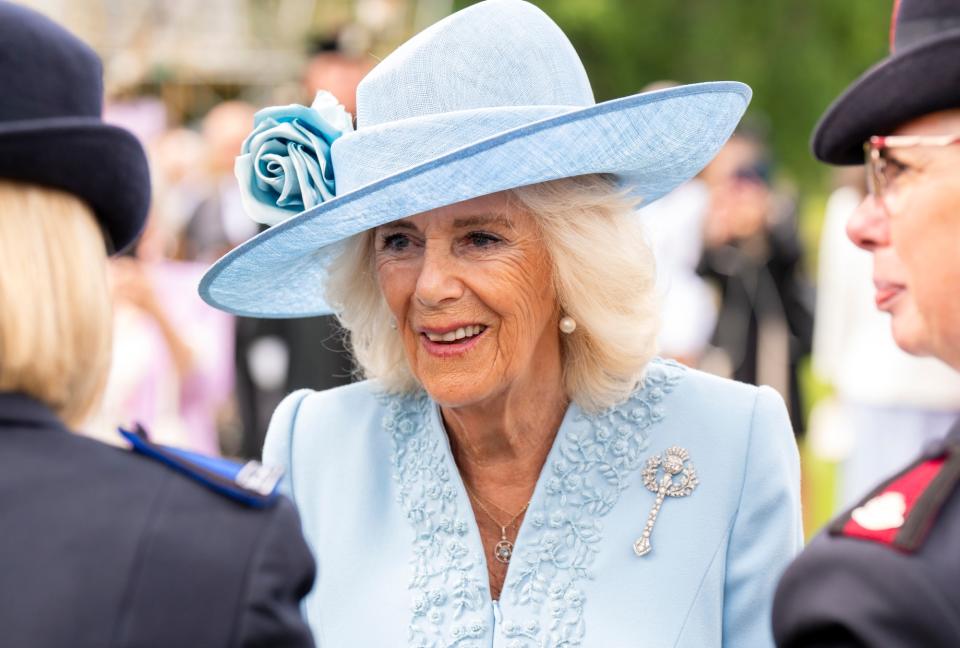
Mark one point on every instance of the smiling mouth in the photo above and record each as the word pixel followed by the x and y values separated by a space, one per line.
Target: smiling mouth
pixel 456 336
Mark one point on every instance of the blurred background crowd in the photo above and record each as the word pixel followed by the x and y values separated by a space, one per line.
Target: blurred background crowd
pixel 758 279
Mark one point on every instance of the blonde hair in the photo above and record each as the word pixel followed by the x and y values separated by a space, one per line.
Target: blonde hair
pixel 603 273
pixel 55 313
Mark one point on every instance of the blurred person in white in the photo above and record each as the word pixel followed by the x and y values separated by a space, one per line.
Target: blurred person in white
pixel 175 155
pixel 674 227
pixel 888 404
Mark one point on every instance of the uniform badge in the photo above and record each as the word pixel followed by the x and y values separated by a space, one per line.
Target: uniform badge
pixel 901 511
pixel 251 483
pixel 258 478
pixel 678 480
pixel 883 512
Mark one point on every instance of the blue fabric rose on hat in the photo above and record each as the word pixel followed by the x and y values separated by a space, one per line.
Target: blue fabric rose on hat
pixel 284 165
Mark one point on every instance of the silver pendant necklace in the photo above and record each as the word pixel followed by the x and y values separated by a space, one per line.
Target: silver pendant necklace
pixel 503 550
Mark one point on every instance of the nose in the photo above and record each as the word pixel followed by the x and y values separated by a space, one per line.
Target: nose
pixel 869 226
pixel 438 281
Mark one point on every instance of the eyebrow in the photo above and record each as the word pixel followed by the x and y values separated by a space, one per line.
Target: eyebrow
pixel 908 156
pixel 399 225
pixel 466 221
pixel 474 221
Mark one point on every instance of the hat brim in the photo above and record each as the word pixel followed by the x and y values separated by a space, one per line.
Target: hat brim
pixel 103 165
pixel 653 142
pixel 912 82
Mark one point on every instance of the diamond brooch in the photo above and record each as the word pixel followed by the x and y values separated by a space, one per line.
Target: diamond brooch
pixel 679 479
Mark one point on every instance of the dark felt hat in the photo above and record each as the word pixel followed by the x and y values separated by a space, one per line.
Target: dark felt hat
pixel 921 76
pixel 51 130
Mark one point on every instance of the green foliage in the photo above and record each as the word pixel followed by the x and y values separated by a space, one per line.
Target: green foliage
pixel 797 55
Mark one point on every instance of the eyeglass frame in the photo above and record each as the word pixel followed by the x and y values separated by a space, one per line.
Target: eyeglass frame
pixel 873 157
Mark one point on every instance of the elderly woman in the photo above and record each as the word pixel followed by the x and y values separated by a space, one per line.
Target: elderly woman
pixel 102 546
pixel 517 470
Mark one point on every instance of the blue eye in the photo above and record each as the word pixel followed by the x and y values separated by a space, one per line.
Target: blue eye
pixel 482 239
pixel 396 242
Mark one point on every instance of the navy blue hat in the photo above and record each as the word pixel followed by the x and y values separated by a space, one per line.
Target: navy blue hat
pixel 51 130
pixel 921 76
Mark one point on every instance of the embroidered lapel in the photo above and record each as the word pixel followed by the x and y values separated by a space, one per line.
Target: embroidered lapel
pixel 594 459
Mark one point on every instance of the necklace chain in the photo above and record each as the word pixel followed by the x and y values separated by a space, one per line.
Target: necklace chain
pixel 504 548
pixel 479 501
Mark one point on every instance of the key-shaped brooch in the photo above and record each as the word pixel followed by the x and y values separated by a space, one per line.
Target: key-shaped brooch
pixel 679 479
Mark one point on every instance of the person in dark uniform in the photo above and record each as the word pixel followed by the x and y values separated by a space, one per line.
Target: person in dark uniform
pixel 887 572
pixel 102 546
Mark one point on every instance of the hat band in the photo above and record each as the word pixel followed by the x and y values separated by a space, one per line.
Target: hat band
pixel 912 32
pixel 373 153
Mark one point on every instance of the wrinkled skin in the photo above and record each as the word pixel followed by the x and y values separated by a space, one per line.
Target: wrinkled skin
pixel 914 236
pixel 472 263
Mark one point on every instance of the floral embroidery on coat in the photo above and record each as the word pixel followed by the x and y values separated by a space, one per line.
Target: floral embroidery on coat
pixel 592 463
pixel 446 576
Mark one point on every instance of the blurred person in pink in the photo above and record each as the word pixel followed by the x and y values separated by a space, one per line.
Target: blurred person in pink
pixel 172 361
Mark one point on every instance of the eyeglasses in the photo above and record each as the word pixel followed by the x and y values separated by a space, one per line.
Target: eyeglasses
pixel 883 170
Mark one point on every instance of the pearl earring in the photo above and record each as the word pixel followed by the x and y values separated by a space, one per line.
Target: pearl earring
pixel 567 324
pixel 393 323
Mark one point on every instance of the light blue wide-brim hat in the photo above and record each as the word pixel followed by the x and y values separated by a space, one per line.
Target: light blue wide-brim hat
pixel 491 98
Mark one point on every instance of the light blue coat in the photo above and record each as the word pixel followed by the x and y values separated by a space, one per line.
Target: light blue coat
pixel 400 558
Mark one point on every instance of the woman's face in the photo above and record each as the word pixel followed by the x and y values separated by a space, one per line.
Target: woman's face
pixel 470 286
pixel 914 235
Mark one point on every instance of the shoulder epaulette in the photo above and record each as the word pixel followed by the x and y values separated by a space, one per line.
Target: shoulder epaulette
pixel 902 510
pixel 249 483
